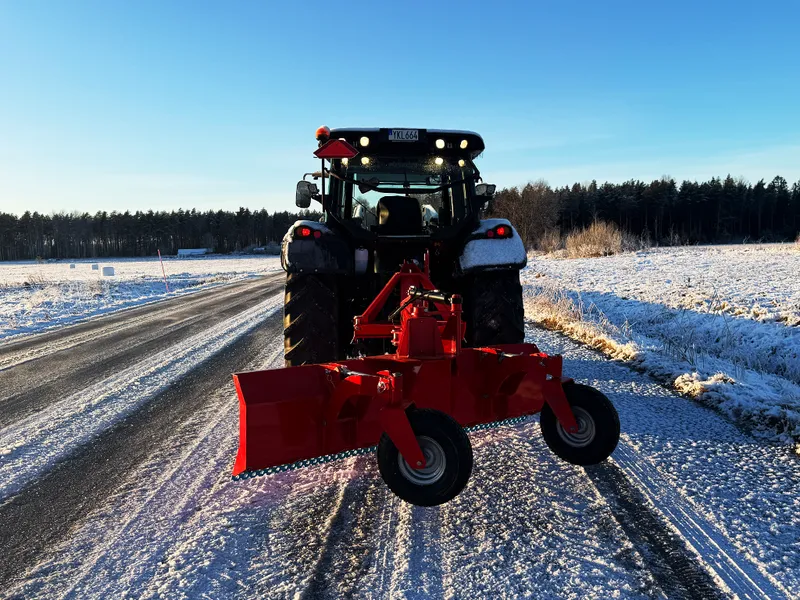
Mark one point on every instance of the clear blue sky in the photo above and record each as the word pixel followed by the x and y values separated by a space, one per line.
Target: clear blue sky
pixel 135 105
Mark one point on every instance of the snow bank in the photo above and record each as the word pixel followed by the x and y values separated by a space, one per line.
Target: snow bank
pixel 710 322
pixel 37 296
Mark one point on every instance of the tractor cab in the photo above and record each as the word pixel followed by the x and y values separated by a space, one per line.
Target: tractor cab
pixel 382 191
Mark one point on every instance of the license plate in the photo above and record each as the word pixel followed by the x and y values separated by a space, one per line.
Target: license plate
pixel 404 135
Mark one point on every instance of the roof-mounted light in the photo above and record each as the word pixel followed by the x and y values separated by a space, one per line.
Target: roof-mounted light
pixel 439 161
pixel 323 134
pixel 365 160
pixel 464 144
pixel 440 144
pixel 461 162
pixel 364 141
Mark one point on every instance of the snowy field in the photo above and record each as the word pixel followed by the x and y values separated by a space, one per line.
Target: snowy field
pixel 35 296
pixel 718 323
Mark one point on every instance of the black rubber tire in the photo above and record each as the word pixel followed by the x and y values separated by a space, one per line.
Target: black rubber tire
pixel 457 452
pixel 310 320
pixel 493 309
pixel 605 420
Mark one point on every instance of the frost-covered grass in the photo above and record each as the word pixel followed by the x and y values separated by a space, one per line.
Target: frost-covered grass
pixel 35 296
pixel 721 324
pixel 601 238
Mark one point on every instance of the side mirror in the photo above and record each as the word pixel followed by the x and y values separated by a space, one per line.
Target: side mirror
pixel 485 189
pixel 305 191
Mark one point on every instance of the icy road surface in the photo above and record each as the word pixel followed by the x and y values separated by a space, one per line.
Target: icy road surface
pixel 142 505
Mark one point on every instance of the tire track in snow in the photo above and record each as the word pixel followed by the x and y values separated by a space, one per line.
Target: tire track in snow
pixel 288 552
pixel 42 513
pixel 386 560
pixel 530 525
pixel 32 445
pixel 347 554
pixel 402 550
pixel 678 572
pixel 418 572
pixel 37 383
pixel 261 537
pixel 741 577
pixel 121 545
pixel 350 554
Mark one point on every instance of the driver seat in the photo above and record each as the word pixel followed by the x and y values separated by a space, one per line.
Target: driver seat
pixel 399 215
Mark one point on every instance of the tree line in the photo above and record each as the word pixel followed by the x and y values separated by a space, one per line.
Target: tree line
pixel 716 211
pixel 76 235
pixel 719 210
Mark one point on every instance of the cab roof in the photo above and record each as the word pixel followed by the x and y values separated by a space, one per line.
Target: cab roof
pixel 407 141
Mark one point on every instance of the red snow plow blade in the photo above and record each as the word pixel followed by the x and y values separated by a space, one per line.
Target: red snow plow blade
pixel 298 413
pixel 413 404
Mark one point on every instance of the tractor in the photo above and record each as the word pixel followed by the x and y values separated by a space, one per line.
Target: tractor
pixel 379 358
pixel 407 192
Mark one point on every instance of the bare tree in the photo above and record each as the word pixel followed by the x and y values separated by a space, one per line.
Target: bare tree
pixel 533 210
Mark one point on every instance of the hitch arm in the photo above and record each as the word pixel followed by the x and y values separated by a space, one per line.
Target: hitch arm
pixel 394 419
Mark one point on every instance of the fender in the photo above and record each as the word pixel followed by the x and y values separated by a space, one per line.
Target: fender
pixel 327 254
pixel 482 253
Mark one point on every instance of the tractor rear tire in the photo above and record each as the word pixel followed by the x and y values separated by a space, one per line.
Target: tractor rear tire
pixel 494 311
pixel 598 427
pixel 448 454
pixel 310 315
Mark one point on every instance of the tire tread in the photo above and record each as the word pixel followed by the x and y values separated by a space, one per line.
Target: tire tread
pixel 495 314
pixel 310 328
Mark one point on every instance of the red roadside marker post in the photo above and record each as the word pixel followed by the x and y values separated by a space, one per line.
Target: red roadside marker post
pixel 166 285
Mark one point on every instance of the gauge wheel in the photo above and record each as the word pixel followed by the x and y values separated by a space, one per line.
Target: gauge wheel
pixel 448 458
pixel 598 427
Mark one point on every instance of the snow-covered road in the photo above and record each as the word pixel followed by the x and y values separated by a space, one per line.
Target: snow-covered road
pixel 689 506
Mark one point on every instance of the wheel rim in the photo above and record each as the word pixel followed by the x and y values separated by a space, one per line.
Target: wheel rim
pixel 435 463
pixel 584 435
